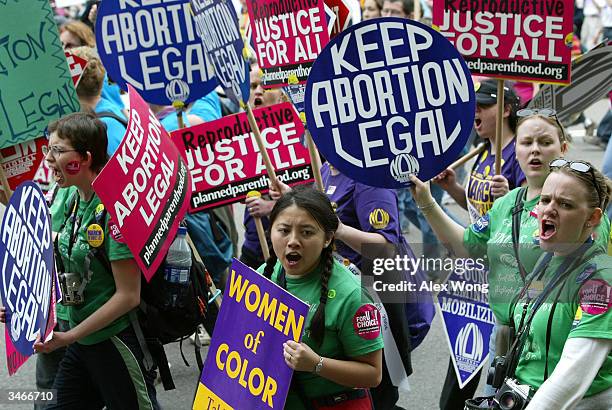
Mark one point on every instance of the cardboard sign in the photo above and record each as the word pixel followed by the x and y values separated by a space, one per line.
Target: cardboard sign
pixel 224 160
pixel 245 367
pixel 528 41
pixel 288 37
pixel 296 94
pixel 217 25
pixel 153 46
pixel 144 186
pixel 77 66
pixel 468 322
pixel 21 162
pixel 35 84
pixel 591 81
pixel 388 98
pixel 26 257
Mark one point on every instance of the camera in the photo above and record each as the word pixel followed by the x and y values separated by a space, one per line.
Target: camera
pixel 513 396
pixel 70 284
pixel 498 372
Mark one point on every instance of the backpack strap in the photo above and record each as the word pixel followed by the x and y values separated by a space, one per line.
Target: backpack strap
pixel 517 210
pixel 110 114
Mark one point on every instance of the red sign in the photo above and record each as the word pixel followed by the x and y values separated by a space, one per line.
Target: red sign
pixel 528 41
pixel 224 160
pixel 343 16
pixel 77 66
pixel 144 186
pixel 20 162
pixel 288 37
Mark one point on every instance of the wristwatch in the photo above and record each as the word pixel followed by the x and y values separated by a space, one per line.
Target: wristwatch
pixel 319 366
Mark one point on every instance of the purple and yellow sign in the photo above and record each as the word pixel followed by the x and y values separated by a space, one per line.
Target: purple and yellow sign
pixel 245 367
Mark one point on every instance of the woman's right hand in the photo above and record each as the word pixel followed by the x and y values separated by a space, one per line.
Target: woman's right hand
pixel 2 314
pixel 420 191
pixel 446 179
pixel 277 189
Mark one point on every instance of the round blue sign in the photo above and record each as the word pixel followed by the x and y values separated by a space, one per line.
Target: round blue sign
pixel 155 48
pixel 26 257
pixel 388 98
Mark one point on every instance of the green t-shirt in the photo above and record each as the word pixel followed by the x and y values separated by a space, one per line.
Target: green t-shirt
pixel 102 285
pixel 492 235
pixel 57 219
pixel 583 309
pixel 344 337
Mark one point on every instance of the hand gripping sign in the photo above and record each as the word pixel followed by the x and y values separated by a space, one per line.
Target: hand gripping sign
pixel 35 84
pixel 288 37
pixel 26 257
pixel 245 367
pixel 388 98
pixel 144 186
pixel 516 39
pixel 217 25
pixel 153 46
pixel 225 162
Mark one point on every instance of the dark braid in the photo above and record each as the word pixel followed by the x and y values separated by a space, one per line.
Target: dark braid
pixel 269 269
pixel 317 325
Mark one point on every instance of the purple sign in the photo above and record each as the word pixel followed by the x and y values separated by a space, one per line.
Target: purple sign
pixel 468 321
pixel 245 367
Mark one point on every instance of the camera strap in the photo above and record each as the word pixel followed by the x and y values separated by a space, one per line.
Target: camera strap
pixel 566 267
pixel 517 211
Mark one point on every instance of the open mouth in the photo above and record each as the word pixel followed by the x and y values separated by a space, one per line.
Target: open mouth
pixel 57 175
pixel 477 122
pixel 547 229
pixel 257 101
pixel 535 162
pixel 293 258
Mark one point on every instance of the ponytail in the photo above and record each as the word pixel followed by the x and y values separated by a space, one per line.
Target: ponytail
pixel 317 325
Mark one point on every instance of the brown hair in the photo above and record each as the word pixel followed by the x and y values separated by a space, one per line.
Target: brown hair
pixel 597 184
pixel 86 133
pixel 81 31
pixel 92 79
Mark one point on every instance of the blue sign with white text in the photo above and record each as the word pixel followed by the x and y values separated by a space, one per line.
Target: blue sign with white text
pixel 26 257
pixel 217 25
pixel 468 322
pixel 155 48
pixel 388 98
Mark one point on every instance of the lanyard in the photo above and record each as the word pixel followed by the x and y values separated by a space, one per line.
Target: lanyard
pixel 567 266
pixel 76 224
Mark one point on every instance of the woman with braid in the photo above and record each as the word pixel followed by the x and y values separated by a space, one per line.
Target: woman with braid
pixel 341 351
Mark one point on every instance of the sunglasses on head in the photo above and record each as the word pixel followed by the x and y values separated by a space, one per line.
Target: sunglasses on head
pixel 544 112
pixel 578 166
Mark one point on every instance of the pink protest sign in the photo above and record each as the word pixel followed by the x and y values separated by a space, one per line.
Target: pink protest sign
pixel 513 39
pixel 224 160
pixel 144 187
pixel 288 37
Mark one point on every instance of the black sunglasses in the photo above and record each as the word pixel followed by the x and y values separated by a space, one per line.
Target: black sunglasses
pixel 578 166
pixel 544 112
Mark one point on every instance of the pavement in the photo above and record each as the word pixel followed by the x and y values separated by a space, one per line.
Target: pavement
pixel 430 360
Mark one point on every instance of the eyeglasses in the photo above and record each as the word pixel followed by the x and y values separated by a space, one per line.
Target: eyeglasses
pixel 544 112
pixel 56 151
pixel 581 167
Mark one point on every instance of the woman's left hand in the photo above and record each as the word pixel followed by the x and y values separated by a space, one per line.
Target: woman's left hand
pixel 59 339
pixel 299 356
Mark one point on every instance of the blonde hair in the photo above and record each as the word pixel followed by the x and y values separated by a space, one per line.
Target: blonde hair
pixel 596 184
pixel 561 133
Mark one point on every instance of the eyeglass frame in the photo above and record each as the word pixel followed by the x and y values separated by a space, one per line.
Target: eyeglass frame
pixel 589 170
pixel 544 112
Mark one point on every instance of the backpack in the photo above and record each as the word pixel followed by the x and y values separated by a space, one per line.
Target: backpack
pixel 157 321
